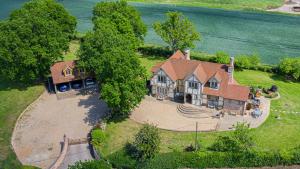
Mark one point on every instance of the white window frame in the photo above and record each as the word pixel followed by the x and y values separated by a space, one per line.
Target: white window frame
pixel 161 79
pixel 193 85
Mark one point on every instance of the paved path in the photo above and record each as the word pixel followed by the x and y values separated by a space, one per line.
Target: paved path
pixel 38 134
pixel 164 115
pixel 78 152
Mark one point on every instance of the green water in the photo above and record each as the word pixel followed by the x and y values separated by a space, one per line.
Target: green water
pixel 271 36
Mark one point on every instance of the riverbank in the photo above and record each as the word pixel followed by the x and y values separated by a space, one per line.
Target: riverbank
pixel 287 7
pixel 261 5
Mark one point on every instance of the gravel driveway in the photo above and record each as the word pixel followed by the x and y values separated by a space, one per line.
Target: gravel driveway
pixel 39 132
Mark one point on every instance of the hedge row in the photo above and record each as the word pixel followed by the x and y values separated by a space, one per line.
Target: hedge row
pixel 162 51
pixel 222 159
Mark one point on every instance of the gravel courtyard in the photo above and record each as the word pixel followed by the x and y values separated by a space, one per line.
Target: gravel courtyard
pixel 39 132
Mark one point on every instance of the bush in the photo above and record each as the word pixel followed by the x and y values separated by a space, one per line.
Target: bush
pixel 247 61
pixel 98 137
pixel 147 142
pixel 239 141
pixel 290 67
pixel 93 164
pixel 222 57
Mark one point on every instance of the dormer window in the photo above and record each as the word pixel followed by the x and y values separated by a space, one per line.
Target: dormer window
pixel 67 71
pixel 161 79
pixel 193 85
pixel 214 84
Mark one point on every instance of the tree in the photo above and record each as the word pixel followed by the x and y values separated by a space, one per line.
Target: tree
pixel 93 164
pixel 111 56
pixel 147 142
pixel 33 38
pixel 177 31
pixel 126 17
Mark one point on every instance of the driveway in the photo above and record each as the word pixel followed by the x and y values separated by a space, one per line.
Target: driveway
pixel 39 132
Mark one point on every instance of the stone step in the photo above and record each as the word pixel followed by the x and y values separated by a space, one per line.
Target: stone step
pixel 192 112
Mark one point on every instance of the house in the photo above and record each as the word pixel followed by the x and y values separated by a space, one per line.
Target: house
pixel 199 83
pixel 65 73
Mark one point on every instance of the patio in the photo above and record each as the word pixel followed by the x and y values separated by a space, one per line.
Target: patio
pixel 166 115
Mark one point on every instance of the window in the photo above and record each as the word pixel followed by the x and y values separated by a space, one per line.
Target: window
pixel 161 79
pixel 193 85
pixel 81 70
pixel 68 72
pixel 214 85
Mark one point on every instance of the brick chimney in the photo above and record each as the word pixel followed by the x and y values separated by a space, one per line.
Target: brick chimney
pixel 187 54
pixel 231 69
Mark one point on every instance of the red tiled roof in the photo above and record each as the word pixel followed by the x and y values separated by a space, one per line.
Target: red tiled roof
pixel 177 67
pixel 58 75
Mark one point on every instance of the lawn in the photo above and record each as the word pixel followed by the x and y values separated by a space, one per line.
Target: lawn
pixel 224 4
pixel 71 54
pixel 272 135
pixel 14 99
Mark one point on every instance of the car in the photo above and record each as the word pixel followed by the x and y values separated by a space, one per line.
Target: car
pixel 63 88
pixel 89 82
pixel 76 86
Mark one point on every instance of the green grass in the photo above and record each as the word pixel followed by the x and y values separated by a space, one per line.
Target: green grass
pixel 272 135
pixel 71 54
pixel 224 4
pixel 14 99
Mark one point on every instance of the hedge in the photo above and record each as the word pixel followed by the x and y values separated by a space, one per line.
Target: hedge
pixel 223 159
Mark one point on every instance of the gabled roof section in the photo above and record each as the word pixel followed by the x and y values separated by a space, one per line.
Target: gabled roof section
pixel 200 74
pixel 177 55
pixel 57 72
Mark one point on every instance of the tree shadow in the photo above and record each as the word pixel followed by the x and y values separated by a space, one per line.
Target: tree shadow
pixel 97 109
pixel 6 85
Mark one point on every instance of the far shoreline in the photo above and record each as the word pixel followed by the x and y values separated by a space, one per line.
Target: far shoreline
pixel 274 10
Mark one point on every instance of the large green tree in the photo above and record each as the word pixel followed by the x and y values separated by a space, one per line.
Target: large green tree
pixel 111 56
pixel 177 31
pixel 33 38
pixel 125 17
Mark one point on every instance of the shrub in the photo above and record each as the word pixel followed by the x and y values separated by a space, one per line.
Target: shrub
pixel 98 137
pixel 222 57
pixel 93 164
pixel 247 62
pixel 239 141
pixel 224 144
pixel 290 67
pixel 147 142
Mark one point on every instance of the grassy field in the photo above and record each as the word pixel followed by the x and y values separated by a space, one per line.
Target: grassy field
pixel 272 135
pixel 224 4
pixel 14 99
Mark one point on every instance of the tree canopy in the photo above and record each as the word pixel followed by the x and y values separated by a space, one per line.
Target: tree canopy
pixel 177 31
pixel 33 38
pixel 111 55
pixel 125 17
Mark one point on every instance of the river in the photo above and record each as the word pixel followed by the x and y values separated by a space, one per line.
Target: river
pixel 271 36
